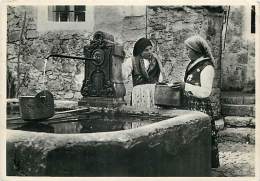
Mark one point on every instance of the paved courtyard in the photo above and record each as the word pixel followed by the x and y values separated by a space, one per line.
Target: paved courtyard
pixel 236 159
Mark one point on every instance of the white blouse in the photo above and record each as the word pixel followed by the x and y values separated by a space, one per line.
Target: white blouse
pixel 206 81
pixel 206 78
pixel 127 68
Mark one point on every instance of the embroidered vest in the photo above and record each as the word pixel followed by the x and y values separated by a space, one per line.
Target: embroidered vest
pixel 142 76
pixel 192 76
pixel 193 71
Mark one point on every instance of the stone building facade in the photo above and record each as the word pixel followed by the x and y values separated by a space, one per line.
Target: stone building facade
pixel 238 61
pixel 167 27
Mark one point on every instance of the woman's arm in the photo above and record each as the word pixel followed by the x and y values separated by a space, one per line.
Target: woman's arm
pixel 206 81
pixel 161 79
pixel 162 76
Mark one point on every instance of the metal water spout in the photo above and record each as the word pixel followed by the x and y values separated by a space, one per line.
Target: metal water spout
pixel 103 84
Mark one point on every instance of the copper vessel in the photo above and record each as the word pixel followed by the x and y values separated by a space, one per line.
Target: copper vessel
pixel 39 107
pixel 165 95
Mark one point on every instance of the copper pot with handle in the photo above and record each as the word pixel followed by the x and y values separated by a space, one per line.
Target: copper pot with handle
pixel 39 107
pixel 165 94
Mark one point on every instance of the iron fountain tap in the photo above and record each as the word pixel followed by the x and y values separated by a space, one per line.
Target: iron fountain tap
pixel 103 83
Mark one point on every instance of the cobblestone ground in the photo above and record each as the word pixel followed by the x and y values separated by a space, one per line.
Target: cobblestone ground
pixel 236 160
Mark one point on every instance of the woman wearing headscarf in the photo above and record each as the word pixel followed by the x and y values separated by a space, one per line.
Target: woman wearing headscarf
pixel 197 85
pixel 146 70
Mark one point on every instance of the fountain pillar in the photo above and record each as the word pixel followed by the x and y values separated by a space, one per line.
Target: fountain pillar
pixel 103 84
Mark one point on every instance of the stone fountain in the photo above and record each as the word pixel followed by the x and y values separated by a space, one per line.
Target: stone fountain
pixel 107 137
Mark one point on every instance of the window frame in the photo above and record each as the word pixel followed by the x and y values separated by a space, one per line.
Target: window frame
pixel 53 12
pixel 44 24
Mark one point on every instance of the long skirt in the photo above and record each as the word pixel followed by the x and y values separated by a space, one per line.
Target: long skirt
pixel 204 105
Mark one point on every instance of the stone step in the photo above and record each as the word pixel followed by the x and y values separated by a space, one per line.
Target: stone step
pixel 238 110
pixel 241 135
pixel 237 98
pixel 237 121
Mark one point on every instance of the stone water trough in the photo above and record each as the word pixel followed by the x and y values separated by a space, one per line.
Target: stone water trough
pixel 127 142
pixel 105 137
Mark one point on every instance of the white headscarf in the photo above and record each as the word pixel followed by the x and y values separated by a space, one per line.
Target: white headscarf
pixel 199 45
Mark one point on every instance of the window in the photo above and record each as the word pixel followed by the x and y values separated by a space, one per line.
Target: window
pixel 66 13
pixel 72 17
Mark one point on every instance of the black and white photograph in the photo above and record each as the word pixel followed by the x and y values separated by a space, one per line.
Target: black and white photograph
pixel 129 90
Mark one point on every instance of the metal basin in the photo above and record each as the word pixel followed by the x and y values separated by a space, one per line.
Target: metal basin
pixel 36 108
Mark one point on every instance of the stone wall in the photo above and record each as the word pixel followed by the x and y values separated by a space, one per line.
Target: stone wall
pixel 169 26
pixel 238 62
pixel 63 76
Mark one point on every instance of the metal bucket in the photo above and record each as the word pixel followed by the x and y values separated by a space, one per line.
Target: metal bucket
pixel 37 107
pixel 165 95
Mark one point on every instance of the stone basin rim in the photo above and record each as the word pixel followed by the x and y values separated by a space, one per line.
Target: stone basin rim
pixel 111 136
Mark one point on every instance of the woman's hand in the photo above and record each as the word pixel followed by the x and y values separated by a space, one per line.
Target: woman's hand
pixel 178 85
pixel 164 82
pixel 157 57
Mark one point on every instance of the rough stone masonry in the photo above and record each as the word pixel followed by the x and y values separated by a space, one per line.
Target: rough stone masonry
pixel 168 27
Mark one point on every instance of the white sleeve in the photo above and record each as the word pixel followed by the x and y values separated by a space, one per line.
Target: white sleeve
pixel 127 68
pixel 206 81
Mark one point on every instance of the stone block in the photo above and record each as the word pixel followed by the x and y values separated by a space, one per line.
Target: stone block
pixel 77 96
pixel 237 97
pixel 68 95
pixel 236 121
pixel 54 85
pixel 253 111
pixel 232 99
pixel 242 57
pixel 12 50
pixel 67 87
pixel 65 36
pixel 159 27
pixel 238 110
pixel 249 99
pixel 32 34
pixel 39 65
pixel 14 36
pixel 242 135
pixel 252 122
pixel 32 26
pixel 52 77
